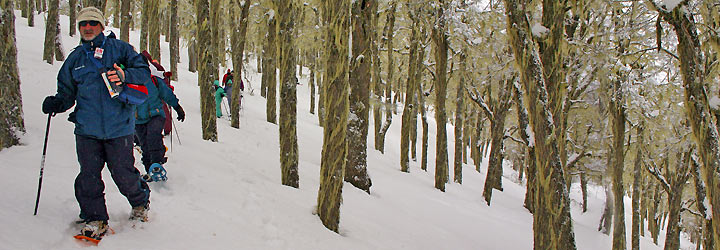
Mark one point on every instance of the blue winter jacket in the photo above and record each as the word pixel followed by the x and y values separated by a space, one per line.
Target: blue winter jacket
pixel 96 114
pixel 153 106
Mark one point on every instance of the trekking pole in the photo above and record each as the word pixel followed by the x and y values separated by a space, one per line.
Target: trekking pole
pixel 42 163
pixel 176 133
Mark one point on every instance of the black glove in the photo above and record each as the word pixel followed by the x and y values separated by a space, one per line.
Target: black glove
pixel 52 104
pixel 180 113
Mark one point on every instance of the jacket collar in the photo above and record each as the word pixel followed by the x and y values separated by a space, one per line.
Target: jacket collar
pixel 96 42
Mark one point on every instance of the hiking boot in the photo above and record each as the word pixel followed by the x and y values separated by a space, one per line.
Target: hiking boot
pixel 94 229
pixel 140 213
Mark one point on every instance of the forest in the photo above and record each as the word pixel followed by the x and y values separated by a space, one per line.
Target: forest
pixel 615 93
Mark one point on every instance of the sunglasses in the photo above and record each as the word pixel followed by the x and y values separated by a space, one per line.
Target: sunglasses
pixel 92 23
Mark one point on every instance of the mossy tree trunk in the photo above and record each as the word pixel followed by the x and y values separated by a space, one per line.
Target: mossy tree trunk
pixel 617 111
pixel 529 161
pixel 12 123
pixel 335 146
pixel 496 111
pixel 440 41
pixel 206 67
pixel 359 103
pixel 409 95
pixel 552 224
pixel 125 22
pixel 145 26
pixel 696 104
pixel 174 39
pixel 459 122
pixel 238 40
pixel 636 189
pixel 286 9
pixel 673 181
pixel 31 13
pixel 153 28
pixel 389 33
pixel 53 50
pixel 700 195
pixel 269 71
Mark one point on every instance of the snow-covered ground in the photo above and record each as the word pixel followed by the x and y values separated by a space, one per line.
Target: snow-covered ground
pixel 227 195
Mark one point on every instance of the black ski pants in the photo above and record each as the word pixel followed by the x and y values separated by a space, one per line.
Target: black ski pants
pixel 93 154
pixel 151 141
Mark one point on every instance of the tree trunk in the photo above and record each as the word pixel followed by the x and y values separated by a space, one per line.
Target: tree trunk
pixel 552 224
pixel 153 28
pixel 51 30
pixel 499 107
pixel 524 125
pixel 421 106
pixel 269 71
pixel 206 68
pixel 583 188
pixel 59 51
pixel 125 22
pixel 144 26
pixel 12 124
pixel 335 133
pixel 440 41
pixel 215 31
pixel 193 55
pixel 607 217
pixel 31 13
pixel 100 4
pixel 409 93
pixel 359 103
pixel 389 34
pixel 238 40
pixel 311 82
pixel 286 9
pixel 617 111
pixel 696 105
pixel 636 190
pixel 700 195
pixel 174 40
pixel 459 113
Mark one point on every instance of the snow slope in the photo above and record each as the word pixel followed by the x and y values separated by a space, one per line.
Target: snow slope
pixel 227 195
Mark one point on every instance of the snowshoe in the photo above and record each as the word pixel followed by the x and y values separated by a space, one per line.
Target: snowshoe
pixel 93 231
pixel 156 173
pixel 140 213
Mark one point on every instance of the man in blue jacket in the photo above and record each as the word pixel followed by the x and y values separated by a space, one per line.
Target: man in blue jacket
pixel 104 126
pixel 150 117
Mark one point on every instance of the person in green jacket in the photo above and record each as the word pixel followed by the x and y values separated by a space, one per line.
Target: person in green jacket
pixel 219 94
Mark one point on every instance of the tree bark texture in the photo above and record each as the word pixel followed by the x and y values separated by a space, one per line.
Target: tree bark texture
pixel 440 41
pixel 497 114
pixel 637 190
pixel 154 28
pixel 237 43
pixel 617 111
pixel 409 94
pixel 389 35
pixel 174 40
pixel 356 172
pixel 51 30
pixel 269 72
pixel 700 195
pixel 288 92
pixel 31 13
pixel 335 146
pixel 125 21
pixel 696 103
pixel 459 122
pixel 12 123
pixel 205 64
pixel 145 26
pixel 552 224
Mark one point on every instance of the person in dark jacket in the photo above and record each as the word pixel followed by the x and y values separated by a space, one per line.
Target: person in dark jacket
pixel 150 117
pixel 104 126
